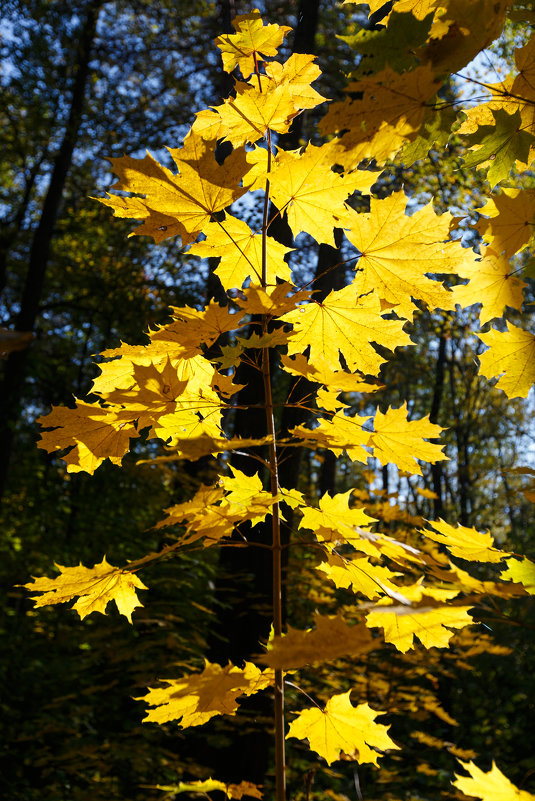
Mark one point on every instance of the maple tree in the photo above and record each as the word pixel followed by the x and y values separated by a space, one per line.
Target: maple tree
pixel 179 388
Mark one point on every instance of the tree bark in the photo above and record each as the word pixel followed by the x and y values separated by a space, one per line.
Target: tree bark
pixel 15 371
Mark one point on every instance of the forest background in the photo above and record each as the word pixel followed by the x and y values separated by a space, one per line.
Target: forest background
pixel 85 81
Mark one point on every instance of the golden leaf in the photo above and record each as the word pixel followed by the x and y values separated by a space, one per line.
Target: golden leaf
pixel 342 728
pixel 400 441
pixel 176 204
pixel 303 185
pixel 521 571
pixel 388 113
pixel 465 543
pixel 430 622
pixel 283 92
pixel 345 324
pixel 511 357
pixel 96 433
pixel 95 587
pixel 330 639
pixel 491 786
pixel 240 251
pixel 250 43
pixel 492 283
pixel 193 700
pixel 399 251
pixel 508 222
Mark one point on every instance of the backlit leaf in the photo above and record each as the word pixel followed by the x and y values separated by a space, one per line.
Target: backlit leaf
pixel 94 587
pixel 194 699
pixel 400 441
pixel 511 358
pixel 491 786
pixel 331 638
pixel 250 43
pixel 341 728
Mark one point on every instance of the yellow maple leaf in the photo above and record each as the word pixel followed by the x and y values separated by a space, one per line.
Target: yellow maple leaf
pixel 341 433
pixel 240 251
pixel 511 356
pixel 303 185
pixel 94 587
pixel 204 786
pixel 96 434
pixel 193 700
pixel 492 283
pixel 521 571
pixel 418 8
pixel 246 496
pixel 342 728
pixel 490 786
pixel 465 543
pixel 193 326
pixel 331 638
pixel 372 581
pixel 468 584
pixel 155 392
pixel 507 224
pixel 345 324
pixel 250 43
pixel 201 787
pixel 397 253
pixel 335 520
pixel 462 29
pixel 296 75
pixel 400 441
pixel 119 374
pixel 176 204
pixel 194 412
pixel 524 83
pixel 430 622
pixel 215 512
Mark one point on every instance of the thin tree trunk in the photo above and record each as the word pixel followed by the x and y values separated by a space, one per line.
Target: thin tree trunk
pixel 462 467
pixel 15 371
pixel 438 392
pixel 244 588
pixel 13 228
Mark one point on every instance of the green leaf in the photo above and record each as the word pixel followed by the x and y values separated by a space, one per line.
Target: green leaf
pixel 434 133
pixel 501 145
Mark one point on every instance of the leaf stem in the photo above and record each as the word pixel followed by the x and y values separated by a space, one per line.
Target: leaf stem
pixel 280 757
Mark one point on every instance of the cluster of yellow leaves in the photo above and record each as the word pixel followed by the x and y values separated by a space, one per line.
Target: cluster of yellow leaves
pixel 178 387
pixel 216 512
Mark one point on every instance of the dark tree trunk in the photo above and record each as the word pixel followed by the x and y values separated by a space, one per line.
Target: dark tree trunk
pixel 15 372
